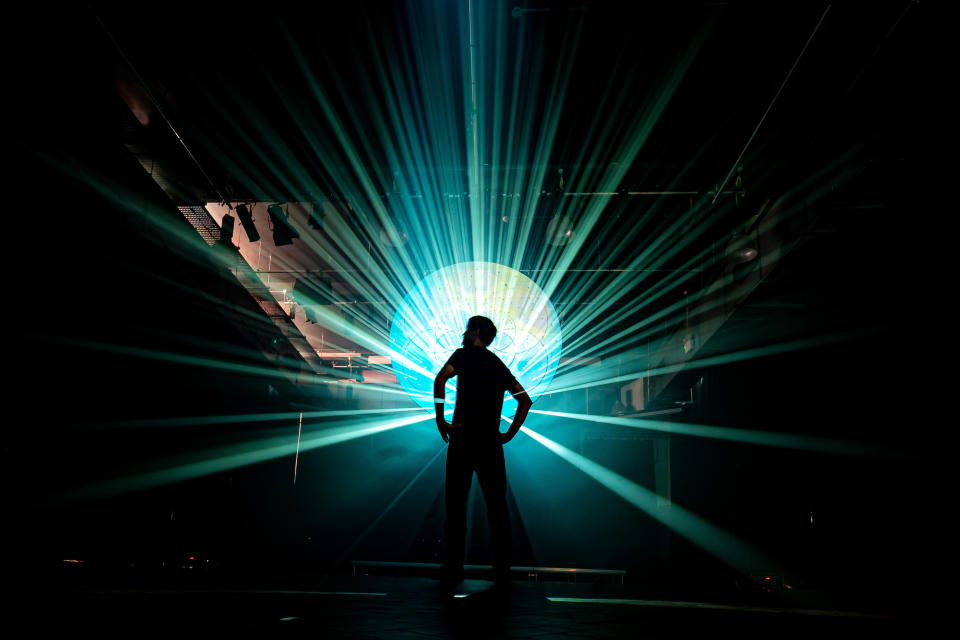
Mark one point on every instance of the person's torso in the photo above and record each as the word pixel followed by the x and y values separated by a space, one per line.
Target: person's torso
pixel 480 389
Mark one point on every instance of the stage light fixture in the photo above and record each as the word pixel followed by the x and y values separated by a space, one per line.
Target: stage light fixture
pixel 429 324
pixel 226 229
pixel 246 221
pixel 559 231
pixel 283 232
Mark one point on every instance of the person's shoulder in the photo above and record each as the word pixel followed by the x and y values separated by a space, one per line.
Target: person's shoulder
pixel 493 357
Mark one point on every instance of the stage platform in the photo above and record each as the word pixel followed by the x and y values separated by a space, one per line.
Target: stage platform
pixel 377 606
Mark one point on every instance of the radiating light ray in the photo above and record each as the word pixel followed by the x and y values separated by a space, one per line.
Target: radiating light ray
pixel 249 354
pixel 222 365
pixel 748 436
pixel 613 291
pixel 168 229
pixel 373 524
pixel 625 149
pixel 719 543
pixel 729 288
pixel 590 323
pixel 296 458
pixel 233 456
pixel 591 379
pixel 583 379
pixel 354 143
pixel 247 418
pixel 256 318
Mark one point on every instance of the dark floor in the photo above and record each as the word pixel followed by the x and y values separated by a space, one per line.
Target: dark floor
pixel 415 607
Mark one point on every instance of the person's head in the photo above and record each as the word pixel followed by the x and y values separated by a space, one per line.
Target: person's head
pixel 479 327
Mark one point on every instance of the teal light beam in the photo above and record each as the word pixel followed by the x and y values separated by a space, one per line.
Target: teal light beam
pixel 234 456
pixel 296 458
pixel 563 384
pixel 212 363
pixel 625 149
pixel 373 524
pixel 589 323
pixel 748 436
pixel 246 418
pixel 719 543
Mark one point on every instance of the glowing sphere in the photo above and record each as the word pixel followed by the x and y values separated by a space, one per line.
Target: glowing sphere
pixel 428 327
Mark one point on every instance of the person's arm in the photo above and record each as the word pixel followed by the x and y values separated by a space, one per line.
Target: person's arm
pixel 439 395
pixel 523 406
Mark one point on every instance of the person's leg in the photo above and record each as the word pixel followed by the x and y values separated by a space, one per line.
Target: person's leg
pixel 492 475
pixel 457 486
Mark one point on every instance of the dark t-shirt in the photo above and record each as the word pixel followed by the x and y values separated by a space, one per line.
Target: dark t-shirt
pixel 481 380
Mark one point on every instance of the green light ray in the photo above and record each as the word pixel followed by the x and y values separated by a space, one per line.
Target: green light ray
pixel 748 436
pixel 590 379
pixel 587 324
pixel 485 74
pixel 257 319
pixel 733 287
pixel 719 543
pixel 233 456
pixel 393 502
pixel 611 292
pixel 239 418
pixel 625 148
pixel 168 227
pixel 724 292
pixel 211 363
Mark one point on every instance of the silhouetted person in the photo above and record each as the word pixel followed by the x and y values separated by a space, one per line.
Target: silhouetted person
pixel 476 444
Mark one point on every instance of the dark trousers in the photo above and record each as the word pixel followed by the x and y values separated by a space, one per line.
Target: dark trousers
pixel 466 454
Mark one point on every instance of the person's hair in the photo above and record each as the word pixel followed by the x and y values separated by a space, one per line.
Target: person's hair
pixel 482 327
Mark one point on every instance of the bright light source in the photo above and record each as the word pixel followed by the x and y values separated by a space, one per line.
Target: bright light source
pixel 429 324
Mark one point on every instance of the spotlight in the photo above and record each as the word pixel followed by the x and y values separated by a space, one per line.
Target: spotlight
pixel 246 220
pixel 559 231
pixel 226 230
pixel 283 232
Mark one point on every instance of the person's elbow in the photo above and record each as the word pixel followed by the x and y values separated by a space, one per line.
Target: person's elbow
pixel 525 401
